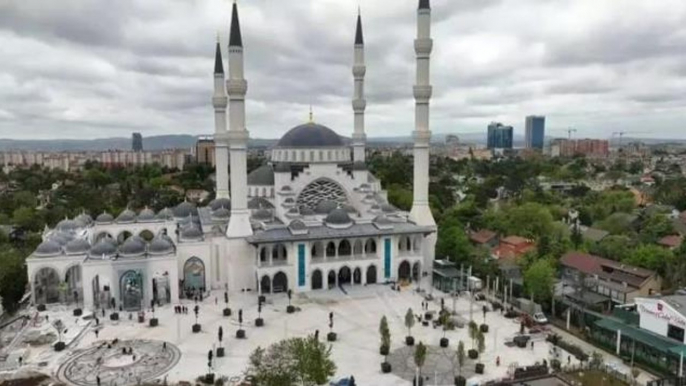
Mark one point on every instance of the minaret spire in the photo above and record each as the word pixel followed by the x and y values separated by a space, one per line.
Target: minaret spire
pixel 219 102
pixel 359 103
pixel 421 212
pixel 239 224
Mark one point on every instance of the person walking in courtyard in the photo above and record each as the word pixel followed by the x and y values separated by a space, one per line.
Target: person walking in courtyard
pixel 96 333
pixel 164 346
pixel 97 380
pixel 497 361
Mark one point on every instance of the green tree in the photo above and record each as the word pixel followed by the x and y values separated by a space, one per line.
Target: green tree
pixel 652 257
pixel 453 242
pixel 409 321
pixel 473 330
pixel 385 333
pixel 12 278
pixel 26 218
pixel 539 279
pixel 460 355
pixel 420 356
pixel 481 342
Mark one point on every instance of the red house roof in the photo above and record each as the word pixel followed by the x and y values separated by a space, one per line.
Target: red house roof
pixel 482 237
pixel 607 269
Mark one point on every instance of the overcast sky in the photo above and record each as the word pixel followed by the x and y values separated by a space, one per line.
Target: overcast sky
pixel 96 68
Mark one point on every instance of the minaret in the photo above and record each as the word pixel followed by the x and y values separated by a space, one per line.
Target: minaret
pixel 221 150
pixel 421 213
pixel 359 103
pixel 236 86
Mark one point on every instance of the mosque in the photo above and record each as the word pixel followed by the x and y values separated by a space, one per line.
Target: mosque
pixel 313 218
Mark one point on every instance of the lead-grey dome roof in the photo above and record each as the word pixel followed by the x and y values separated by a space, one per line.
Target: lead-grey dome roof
pixel 338 216
pixel 297 225
pixel 220 203
pixel 160 245
pixel 221 214
pixel 264 175
pixel 48 248
pixel 185 209
pixel 310 135
pixel 67 225
pixel 126 216
pixel 146 214
pixel 165 214
pixel 104 247
pixel 77 247
pixel 259 203
pixel 191 232
pixel 262 214
pixel 133 246
pixel 306 211
pixel 85 218
pixel 326 206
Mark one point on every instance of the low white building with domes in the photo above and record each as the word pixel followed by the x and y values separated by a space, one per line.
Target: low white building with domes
pixel 313 218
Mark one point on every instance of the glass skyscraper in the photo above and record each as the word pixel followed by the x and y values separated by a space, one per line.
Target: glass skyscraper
pixel 535 132
pixel 499 136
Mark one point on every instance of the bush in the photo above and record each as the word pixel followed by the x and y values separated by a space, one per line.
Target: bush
pixel 208 379
pixel 114 316
pixel 555 365
pixel 444 342
pixel 59 346
pixel 259 322
pixel 240 334
pixel 575 350
pixel 290 309
pixel 227 312
pixel 484 328
pixel 331 337
pixel 196 328
pixel 479 368
pixel 78 312
pixel 386 367
pixel 409 341
pixel 472 354
pixel 384 349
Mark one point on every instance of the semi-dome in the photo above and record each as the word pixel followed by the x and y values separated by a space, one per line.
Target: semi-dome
pixel 77 247
pixel 133 246
pixel 338 216
pixel 326 206
pixel 310 135
pixel 48 248
pixel 185 209
pixel 218 203
pixel 160 245
pixel 126 216
pixel 104 247
pixel 297 225
pixel 191 232
pixel 262 215
pixel 264 175
pixel 146 214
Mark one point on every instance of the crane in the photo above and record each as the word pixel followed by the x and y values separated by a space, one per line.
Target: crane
pixel 621 135
pixel 570 131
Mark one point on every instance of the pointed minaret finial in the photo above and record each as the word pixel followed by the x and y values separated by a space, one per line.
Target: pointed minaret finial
pixel 359 39
pixel 218 65
pixel 235 39
pixel 311 115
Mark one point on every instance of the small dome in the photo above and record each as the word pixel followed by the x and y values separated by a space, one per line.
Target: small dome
pixel 388 208
pixel 77 247
pixel 262 215
pixel 286 188
pixel 326 206
pixel 126 216
pixel 191 232
pixel 338 217
pixel 259 203
pixel 48 248
pixel 68 225
pixel 61 238
pixel 85 218
pixel 146 214
pixel 165 214
pixel 221 214
pixel 218 203
pixel 104 247
pixel 133 246
pixel 306 211
pixel 297 225
pixel 185 209
pixel 310 135
pixel 160 245
pixel 264 175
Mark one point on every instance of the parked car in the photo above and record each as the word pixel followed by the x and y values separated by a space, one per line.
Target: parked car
pixel 540 318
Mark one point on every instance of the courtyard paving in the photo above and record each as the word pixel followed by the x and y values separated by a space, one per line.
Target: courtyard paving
pixel 356 321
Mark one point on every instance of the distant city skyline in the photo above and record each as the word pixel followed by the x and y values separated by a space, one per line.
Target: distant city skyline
pixel 82 69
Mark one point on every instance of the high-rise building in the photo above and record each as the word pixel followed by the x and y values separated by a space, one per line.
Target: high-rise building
pixel 535 132
pixel 137 142
pixel 204 151
pixel 499 136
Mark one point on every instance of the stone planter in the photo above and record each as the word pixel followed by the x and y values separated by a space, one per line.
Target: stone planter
pixel 444 342
pixel 386 367
pixel 41 307
pixel 114 316
pixel 428 315
pixel 460 381
pixel 290 309
pixel 484 328
pixel 227 312
pixel 78 312
pixel 220 352
pixel 59 346
pixel 473 354
pixel 384 350
pixel 479 368
pixel 259 322
pixel 409 341
pixel 154 322
pixel 196 328
pixel 209 379
pixel 331 337
pixel 240 334
pixel 418 381
pixel 141 319
pixel 521 341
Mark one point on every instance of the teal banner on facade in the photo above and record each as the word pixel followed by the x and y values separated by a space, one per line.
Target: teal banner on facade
pixel 387 259
pixel 301 265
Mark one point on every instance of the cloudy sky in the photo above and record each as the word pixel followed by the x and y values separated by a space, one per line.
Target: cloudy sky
pixel 96 68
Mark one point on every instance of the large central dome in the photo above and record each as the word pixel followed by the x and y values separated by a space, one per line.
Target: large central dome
pixel 310 135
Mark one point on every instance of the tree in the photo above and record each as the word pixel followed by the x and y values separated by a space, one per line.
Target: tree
pixel 652 257
pixel 460 355
pixel 220 335
pixel 12 279
pixel 539 279
pixel 409 321
pixel 385 333
pixel 481 341
pixel 301 361
pixel 473 329
pixel 420 356
pixel 453 242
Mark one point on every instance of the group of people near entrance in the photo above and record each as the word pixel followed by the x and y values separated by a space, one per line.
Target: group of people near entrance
pixel 180 309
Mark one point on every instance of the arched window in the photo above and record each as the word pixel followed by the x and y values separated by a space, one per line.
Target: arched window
pixel 330 249
pixel 344 248
pixel 321 156
pixel 328 155
pixel 311 155
pixel 357 248
pixel 285 154
pixel 317 250
pixel 279 254
pixel 319 190
pixel 370 246
pixel 264 255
